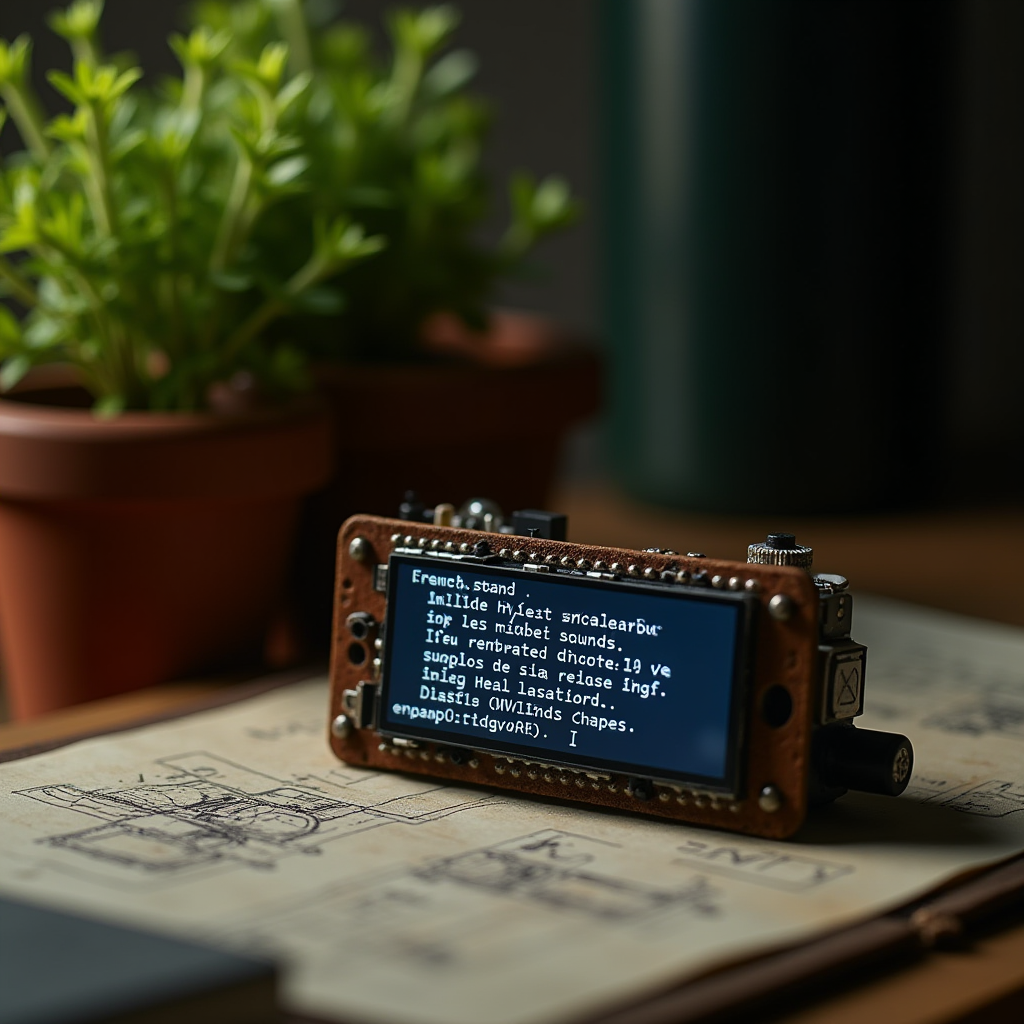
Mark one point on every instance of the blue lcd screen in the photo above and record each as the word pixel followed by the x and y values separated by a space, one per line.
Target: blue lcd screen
pixel 565 669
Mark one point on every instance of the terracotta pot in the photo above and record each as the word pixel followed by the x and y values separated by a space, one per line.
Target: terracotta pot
pixel 479 416
pixel 141 548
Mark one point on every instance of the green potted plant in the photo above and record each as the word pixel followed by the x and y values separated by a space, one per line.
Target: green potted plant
pixel 149 536
pixel 178 258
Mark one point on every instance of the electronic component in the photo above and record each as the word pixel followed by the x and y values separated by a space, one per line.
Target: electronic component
pixel 713 692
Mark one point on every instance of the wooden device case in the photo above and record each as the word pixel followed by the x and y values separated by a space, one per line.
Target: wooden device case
pixel 785 654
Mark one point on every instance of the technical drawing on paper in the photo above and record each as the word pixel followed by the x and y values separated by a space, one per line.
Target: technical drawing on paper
pixel 443 913
pixel 991 798
pixel 204 811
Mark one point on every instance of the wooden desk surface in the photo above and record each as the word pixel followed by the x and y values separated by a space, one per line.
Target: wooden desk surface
pixel 969 562
pixel 981 984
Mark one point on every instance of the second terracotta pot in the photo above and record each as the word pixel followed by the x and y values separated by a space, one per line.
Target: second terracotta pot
pixel 485 417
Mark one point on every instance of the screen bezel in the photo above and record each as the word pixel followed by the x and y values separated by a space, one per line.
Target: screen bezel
pixel 743 662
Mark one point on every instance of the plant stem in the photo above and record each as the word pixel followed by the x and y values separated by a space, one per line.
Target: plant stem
pixel 260 318
pixel 405 80
pixel 292 21
pixel 83 48
pixel 312 272
pixel 234 215
pixel 20 286
pixel 27 116
pixel 170 190
pixel 96 141
pixel 193 88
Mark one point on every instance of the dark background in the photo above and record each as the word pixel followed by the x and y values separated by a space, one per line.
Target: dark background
pixel 540 68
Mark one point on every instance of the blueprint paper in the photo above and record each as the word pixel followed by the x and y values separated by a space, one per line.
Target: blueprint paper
pixel 401 900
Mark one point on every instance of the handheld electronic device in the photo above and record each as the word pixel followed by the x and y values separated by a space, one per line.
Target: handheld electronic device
pixel 713 692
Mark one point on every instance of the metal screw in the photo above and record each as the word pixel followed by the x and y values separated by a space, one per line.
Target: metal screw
pixel 360 549
pixel 781 607
pixel 341 726
pixel 769 799
pixel 901 766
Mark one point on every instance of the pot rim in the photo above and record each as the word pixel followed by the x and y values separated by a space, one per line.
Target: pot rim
pixel 53 453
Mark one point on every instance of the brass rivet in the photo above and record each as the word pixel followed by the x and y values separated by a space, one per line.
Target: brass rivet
pixel 360 549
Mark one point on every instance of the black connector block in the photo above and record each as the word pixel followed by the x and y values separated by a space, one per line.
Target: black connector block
pixel 532 522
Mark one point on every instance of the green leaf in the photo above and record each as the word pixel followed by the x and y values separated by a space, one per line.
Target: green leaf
pixel 202 48
pixel 126 143
pixel 79 21
pixel 13 370
pixel 284 172
pixel 423 32
pixel 14 60
pixel 42 333
pixel 269 69
pixel 10 329
pixel 521 191
pixel 19 237
pixel 69 127
pixel 552 202
pixel 67 87
pixel 122 83
pixel 452 72
pixel 109 406
pixel 292 91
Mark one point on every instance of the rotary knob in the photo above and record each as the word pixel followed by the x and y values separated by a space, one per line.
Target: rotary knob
pixel 781 549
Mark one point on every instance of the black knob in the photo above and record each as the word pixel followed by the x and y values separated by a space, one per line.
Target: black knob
pixel 781 549
pixel 872 762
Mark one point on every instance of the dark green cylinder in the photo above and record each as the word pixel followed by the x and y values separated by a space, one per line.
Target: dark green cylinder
pixel 776 196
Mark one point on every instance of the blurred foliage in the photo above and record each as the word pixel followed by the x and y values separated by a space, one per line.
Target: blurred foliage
pixel 289 196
